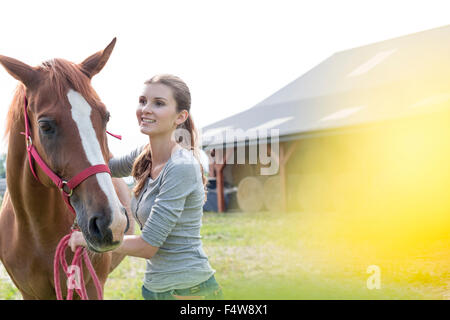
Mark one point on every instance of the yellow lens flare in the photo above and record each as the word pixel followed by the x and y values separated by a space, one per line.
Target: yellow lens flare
pixel 378 196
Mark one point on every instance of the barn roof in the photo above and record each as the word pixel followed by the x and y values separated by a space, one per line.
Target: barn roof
pixel 397 78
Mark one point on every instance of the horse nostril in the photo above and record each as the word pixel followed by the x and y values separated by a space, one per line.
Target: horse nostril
pixel 97 227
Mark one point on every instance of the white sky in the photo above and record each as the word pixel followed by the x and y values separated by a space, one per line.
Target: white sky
pixel 232 54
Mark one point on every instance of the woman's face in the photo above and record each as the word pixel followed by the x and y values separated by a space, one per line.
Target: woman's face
pixel 157 110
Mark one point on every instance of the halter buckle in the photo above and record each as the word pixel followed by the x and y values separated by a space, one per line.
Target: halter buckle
pixel 68 194
pixel 28 142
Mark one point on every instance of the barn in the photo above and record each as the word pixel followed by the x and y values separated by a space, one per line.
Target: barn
pixel 337 131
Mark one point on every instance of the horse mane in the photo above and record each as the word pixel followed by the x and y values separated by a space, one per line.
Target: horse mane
pixel 61 75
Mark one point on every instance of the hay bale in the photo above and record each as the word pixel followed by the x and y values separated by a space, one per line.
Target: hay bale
pixel 250 194
pixel 272 193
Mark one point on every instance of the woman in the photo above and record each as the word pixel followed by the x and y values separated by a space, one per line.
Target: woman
pixel 168 197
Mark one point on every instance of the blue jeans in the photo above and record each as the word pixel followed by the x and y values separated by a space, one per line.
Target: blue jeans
pixel 207 290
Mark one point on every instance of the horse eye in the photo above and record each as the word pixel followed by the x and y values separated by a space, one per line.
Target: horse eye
pixel 45 127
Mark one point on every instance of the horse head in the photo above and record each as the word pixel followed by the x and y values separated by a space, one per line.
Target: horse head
pixel 68 129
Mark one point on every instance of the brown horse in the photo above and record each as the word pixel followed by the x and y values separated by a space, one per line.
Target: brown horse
pixel 68 129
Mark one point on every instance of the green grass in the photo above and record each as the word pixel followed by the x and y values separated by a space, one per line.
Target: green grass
pixel 311 256
pixel 300 256
pixel 303 256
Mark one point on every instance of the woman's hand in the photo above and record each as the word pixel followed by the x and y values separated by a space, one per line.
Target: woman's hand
pixel 76 240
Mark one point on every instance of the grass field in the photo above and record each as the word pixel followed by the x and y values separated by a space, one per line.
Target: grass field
pixel 298 256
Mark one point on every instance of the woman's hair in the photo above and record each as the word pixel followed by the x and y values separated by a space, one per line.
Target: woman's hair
pixel 187 133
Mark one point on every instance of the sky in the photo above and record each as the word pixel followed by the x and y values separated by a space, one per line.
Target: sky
pixel 231 54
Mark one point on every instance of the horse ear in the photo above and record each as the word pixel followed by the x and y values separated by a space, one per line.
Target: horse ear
pixel 95 63
pixel 19 70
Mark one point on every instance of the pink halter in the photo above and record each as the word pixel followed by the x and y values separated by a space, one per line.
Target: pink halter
pixel 60 183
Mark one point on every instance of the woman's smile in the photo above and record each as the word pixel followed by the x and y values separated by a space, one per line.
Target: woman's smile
pixel 146 120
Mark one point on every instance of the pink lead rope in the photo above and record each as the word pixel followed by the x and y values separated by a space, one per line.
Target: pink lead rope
pixel 80 252
pixel 76 282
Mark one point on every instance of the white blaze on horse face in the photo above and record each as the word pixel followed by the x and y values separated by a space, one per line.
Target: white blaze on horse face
pixel 81 114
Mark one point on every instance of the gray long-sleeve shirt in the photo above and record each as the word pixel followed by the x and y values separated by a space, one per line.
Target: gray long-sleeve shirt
pixel 169 211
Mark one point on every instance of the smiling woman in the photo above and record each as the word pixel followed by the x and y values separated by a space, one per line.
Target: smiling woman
pixel 168 196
